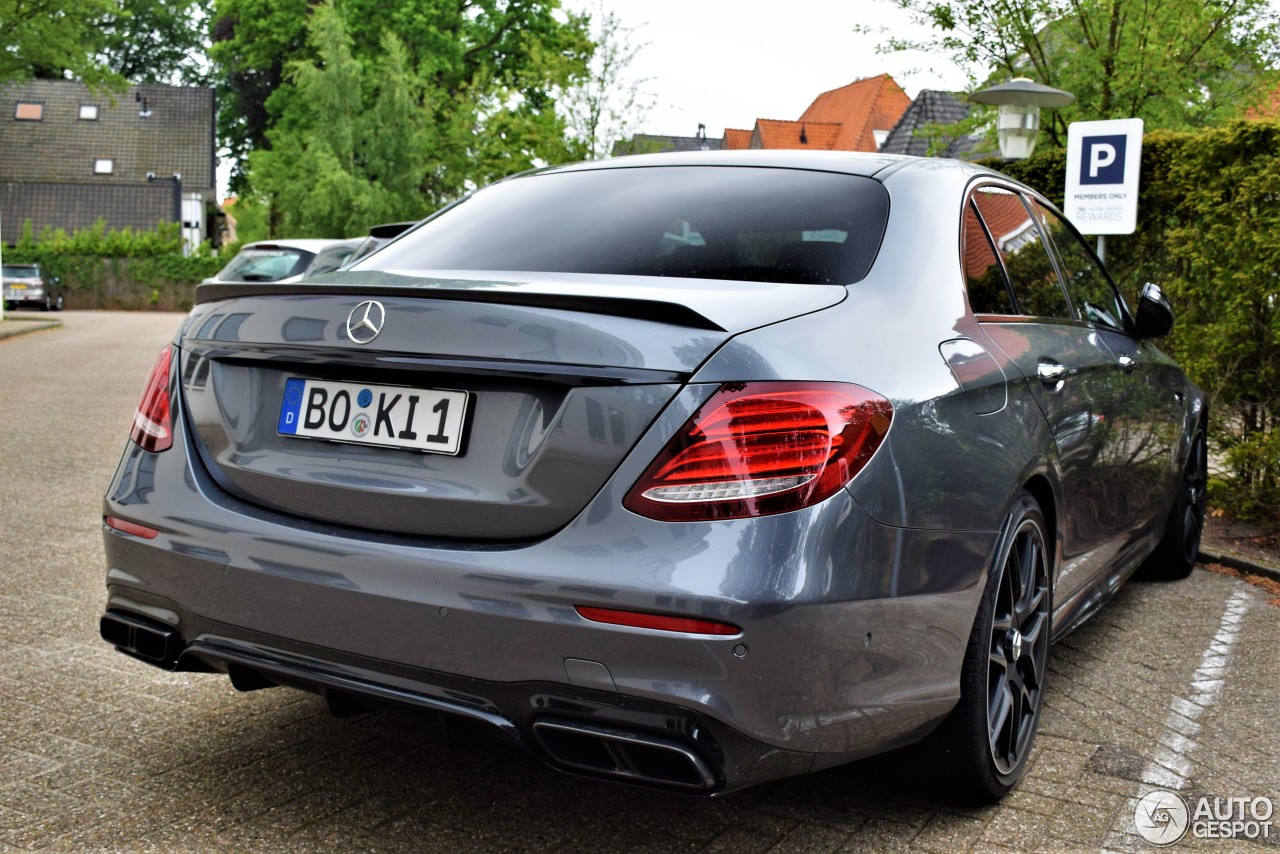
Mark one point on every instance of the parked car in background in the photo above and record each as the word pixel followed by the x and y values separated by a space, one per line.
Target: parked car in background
pixel 379 236
pixel 26 285
pixel 689 471
pixel 285 260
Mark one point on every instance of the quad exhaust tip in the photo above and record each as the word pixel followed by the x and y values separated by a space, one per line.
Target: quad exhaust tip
pixel 628 756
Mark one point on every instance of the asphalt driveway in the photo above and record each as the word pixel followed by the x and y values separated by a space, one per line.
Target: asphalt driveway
pixel 1172 685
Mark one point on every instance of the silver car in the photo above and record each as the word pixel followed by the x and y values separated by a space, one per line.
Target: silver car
pixel 29 285
pixel 690 471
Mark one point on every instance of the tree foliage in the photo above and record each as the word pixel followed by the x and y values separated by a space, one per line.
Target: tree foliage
pixel 608 104
pixel 155 41
pixel 477 79
pixel 103 42
pixel 1209 233
pixel 52 39
pixel 1177 64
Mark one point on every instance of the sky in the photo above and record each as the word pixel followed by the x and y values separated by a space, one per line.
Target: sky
pixel 725 63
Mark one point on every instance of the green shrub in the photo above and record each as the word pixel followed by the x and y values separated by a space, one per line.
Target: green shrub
pixel 101 268
pixel 1209 234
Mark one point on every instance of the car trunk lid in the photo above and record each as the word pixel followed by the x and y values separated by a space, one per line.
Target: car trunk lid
pixel 559 380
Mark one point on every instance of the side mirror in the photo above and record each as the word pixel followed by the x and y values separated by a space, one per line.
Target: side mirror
pixel 1155 315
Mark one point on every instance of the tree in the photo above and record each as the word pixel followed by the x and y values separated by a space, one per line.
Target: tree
pixel 52 39
pixel 1177 64
pixel 607 105
pixel 485 70
pixel 156 41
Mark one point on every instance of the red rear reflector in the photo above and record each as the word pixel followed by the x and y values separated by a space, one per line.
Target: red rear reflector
pixel 754 449
pixel 152 421
pixel 132 528
pixel 661 622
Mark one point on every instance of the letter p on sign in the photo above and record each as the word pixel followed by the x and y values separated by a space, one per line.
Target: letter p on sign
pixel 1103 161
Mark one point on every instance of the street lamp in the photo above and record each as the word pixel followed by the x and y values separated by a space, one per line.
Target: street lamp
pixel 1018 120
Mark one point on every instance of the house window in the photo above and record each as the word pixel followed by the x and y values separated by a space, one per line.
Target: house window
pixel 103 166
pixel 89 112
pixel 29 111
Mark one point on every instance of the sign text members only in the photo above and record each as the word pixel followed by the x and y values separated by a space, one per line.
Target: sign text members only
pixel 1102 175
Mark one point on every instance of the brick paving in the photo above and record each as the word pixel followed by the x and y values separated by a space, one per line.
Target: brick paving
pixel 1171 684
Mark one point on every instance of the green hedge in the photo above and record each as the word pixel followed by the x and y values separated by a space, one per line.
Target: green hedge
pixel 118 269
pixel 1209 234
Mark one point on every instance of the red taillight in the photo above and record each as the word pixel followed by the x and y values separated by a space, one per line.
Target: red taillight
pixel 661 622
pixel 759 448
pixel 152 422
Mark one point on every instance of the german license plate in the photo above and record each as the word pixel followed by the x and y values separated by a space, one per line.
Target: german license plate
pixel 417 419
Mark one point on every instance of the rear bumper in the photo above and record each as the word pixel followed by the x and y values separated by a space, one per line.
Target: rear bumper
pixel 851 642
pixel 28 295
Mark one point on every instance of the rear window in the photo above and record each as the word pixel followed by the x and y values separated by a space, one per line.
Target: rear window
pixel 20 271
pixel 703 222
pixel 266 265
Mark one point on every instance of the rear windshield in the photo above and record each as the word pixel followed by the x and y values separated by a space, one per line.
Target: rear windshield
pixel 266 265
pixel 20 271
pixel 703 222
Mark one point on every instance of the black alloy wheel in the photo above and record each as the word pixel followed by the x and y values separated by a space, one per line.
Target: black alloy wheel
pixel 1019 649
pixel 1176 554
pixel 989 735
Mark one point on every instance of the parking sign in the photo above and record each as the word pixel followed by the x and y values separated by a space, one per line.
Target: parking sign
pixel 1102 175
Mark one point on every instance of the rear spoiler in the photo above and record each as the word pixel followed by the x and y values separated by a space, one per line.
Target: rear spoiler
pixel 327 284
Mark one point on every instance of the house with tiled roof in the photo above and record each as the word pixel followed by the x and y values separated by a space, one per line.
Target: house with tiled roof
pixel 1267 110
pixel 919 131
pixel 866 111
pixel 857 117
pixel 654 143
pixel 70 156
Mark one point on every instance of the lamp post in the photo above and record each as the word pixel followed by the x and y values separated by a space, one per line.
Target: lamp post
pixel 1018 120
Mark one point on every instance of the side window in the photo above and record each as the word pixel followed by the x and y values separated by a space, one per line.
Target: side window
pixel 1034 279
pixel 983 274
pixel 1094 297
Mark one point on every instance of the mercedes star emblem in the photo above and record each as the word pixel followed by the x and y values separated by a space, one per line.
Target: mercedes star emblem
pixel 365 321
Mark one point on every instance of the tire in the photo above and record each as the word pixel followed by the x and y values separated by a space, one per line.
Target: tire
pixel 59 303
pixel 1176 553
pixel 48 303
pixel 989 735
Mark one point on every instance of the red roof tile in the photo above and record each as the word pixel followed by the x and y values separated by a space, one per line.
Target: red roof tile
pixel 736 138
pixel 1269 108
pixel 864 106
pixel 814 136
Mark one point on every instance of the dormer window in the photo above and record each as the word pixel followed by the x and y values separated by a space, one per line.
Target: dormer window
pixel 29 111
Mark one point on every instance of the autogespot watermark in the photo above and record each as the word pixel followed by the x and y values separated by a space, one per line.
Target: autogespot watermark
pixel 1163 817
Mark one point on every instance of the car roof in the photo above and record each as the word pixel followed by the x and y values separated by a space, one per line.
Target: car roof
pixel 849 162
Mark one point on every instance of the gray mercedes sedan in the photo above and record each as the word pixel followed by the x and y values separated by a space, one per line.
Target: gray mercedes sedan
pixel 689 471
